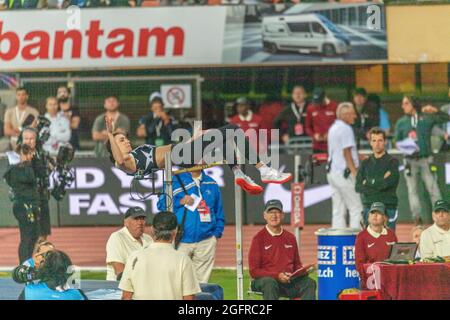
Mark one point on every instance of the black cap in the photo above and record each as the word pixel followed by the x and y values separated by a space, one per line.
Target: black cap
pixel 360 91
pixel 379 207
pixel 135 212
pixel 242 100
pixel 165 221
pixel 273 204
pixel 318 95
pixel 441 205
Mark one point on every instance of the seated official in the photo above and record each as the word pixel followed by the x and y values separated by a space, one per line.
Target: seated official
pixel 373 244
pixel 435 241
pixel 52 280
pixel 125 241
pixel 274 256
pixel 159 272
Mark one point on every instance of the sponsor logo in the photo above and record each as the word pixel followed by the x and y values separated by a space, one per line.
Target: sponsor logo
pixel 371 245
pixel 348 255
pixel 326 255
pixel 287 246
pixel 267 247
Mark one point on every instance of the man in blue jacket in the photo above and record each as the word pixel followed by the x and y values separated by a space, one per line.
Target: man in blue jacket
pixel 200 201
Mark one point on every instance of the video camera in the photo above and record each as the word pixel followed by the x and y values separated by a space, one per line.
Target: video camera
pixel 24 274
pixel 63 175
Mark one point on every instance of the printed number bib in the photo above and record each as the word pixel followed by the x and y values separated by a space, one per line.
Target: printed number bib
pixel 298 129
pixel 203 210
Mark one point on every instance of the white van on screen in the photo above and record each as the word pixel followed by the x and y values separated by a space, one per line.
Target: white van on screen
pixel 303 33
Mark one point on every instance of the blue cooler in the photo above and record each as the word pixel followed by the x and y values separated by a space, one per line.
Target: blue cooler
pixel 336 262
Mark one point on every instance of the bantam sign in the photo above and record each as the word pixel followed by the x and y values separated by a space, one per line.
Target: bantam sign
pixel 94 38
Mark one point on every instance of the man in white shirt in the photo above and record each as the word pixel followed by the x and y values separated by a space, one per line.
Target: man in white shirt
pixel 125 241
pixel 435 241
pixel 59 127
pixel 342 168
pixel 159 272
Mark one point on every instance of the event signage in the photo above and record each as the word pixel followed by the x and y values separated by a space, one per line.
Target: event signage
pixel 105 38
pixel 297 209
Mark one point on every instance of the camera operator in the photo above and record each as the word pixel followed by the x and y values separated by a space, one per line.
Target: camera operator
pixel 22 180
pixel 52 278
pixel 41 164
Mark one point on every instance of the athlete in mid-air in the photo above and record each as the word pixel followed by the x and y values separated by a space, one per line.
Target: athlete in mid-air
pixel 147 158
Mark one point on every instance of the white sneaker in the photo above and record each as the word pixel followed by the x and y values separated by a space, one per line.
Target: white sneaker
pixel 274 176
pixel 247 184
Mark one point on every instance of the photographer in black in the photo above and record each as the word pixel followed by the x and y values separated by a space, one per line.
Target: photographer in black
pixel 51 279
pixel 41 164
pixel 22 180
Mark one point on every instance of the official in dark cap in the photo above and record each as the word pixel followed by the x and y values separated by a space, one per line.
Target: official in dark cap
pixel 274 257
pixel 122 243
pixel 159 272
pixel 435 241
pixel 320 115
pixel 374 243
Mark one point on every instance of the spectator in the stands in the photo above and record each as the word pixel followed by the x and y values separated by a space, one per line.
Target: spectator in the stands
pixel 125 241
pixel 157 126
pixel 435 241
pixel 273 258
pixel 121 124
pixel 53 284
pixel 59 127
pixel 375 242
pixel 320 115
pixel 368 115
pixel 446 108
pixel 293 116
pixel 375 103
pixel 16 117
pixel 4 4
pixel 249 122
pixel 23 4
pixel 159 272
pixel 71 113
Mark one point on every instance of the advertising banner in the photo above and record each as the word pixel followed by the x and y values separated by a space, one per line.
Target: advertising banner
pixel 86 39
pixel 101 194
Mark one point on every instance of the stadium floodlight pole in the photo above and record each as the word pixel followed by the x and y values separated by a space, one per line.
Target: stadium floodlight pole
pixel 239 260
pixel 168 181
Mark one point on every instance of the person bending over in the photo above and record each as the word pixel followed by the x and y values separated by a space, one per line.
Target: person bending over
pixel 53 276
pixel 147 158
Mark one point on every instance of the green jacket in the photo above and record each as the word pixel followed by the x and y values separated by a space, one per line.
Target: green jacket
pixel 22 180
pixel 425 124
pixel 372 185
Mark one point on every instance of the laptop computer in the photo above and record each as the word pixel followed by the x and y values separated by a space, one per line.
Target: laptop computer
pixel 402 252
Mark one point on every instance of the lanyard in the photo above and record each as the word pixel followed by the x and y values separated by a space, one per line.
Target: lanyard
pixel 296 112
pixel 21 117
pixel 158 128
pixel 414 121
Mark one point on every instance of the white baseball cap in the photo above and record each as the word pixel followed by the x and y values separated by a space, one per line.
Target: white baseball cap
pixel 154 95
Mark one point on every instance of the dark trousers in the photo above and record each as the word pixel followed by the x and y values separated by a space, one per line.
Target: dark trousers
pixel 245 149
pixel 44 218
pixel 301 287
pixel 29 230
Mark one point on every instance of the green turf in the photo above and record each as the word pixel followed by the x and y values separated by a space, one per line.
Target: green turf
pixel 224 277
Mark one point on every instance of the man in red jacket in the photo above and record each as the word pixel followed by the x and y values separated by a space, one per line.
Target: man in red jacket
pixel 320 115
pixel 274 257
pixel 247 120
pixel 375 243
